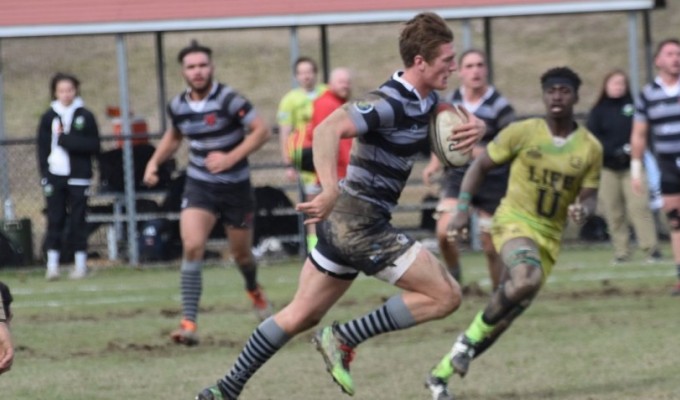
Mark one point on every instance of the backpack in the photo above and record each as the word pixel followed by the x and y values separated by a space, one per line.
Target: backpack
pixel 267 224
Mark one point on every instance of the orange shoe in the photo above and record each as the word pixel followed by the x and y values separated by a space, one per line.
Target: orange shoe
pixel 262 307
pixel 185 334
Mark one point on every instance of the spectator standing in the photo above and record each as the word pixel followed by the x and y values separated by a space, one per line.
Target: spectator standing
pixel 68 138
pixel 293 118
pixel 338 92
pixel 611 121
pixel 657 114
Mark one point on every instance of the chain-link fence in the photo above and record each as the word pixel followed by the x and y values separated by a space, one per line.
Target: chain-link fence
pixel 277 230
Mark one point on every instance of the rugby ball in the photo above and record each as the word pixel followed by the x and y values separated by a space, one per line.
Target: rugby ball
pixel 443 120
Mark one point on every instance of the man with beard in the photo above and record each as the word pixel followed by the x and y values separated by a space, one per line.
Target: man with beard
pixel 223 128
pixel 657 115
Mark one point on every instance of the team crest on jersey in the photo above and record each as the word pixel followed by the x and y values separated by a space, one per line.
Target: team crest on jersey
pixel 364 106
pixel 210 119
pixel 535 153
pixel 575 162
pixel 79 123
pixel 628 110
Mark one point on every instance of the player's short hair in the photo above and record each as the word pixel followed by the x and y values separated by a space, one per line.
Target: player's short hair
pixel 663 44
pixel 305 59
pixel 469 51
pixel 422 35
pixel 562 75
pixel 193 47
pixel 60 76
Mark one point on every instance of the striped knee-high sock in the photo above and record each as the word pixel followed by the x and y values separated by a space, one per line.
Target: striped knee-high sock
pixel 391 316
pixel 191 285
pixel 267 339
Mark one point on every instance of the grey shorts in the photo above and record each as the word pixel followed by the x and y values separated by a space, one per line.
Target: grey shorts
pixel 233 204
pixel 358 237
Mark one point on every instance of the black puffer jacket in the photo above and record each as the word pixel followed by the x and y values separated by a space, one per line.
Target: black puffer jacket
pixel 611 121
pixel 81 143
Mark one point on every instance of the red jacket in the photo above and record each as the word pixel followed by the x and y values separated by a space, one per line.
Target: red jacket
pixel 324 105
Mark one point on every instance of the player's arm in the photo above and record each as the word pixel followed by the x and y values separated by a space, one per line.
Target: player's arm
pixel 584 205
pixel 638 144
pixel 168 145
pixel 474 176
pixel 284 134
pixel 431 168
pixel 325 149
pixel 6 346
pixel 258 135
pixel 473 179
pixel 217 161
pixel 284 119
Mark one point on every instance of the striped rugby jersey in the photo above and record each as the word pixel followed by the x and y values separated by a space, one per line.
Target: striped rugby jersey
pixel 495 111
pixel 661 111
pixel 391 124
pixel 217 123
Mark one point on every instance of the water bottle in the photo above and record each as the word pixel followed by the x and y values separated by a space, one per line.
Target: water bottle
pixel 9 209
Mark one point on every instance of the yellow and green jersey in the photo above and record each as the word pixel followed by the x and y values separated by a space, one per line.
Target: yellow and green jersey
pixel 295 109
pixel 546 174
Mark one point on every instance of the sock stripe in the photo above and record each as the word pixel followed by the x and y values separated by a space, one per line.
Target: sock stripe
pixel 374 323
pixel 191 288
pixel 265 341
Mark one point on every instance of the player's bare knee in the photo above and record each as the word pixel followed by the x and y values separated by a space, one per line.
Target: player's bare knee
pixel 487 244
pixel 673 217
pixel 299 319
pixel 447 300
pixel 527 285
pixel 243 256
pixel 193 250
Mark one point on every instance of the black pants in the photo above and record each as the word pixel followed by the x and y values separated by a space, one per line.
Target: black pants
pixel 65 201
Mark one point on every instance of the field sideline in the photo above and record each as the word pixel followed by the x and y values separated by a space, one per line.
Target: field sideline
pixel 595 332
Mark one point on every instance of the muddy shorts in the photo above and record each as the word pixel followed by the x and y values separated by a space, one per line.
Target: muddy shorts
pixel 358 237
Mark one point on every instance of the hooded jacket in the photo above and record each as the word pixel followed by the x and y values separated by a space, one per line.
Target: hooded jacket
pixel 69 153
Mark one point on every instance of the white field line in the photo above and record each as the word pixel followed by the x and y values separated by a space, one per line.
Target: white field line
pixel 19 293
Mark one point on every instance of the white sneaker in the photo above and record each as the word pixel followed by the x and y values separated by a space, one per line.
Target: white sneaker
pixel 52 275
pixel 79 274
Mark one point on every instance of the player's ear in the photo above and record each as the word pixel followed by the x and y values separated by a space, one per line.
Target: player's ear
pixel 419 62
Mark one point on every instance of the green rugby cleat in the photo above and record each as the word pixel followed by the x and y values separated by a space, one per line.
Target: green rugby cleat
pixel 337 356
pixel 211 393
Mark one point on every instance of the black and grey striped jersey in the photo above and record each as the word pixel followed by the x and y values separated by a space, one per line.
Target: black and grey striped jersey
pixel 661 111
pixel 391 123
pixel 217 123
pixel 494 110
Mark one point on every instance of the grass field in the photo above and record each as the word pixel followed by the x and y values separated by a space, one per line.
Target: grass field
pixel 595 332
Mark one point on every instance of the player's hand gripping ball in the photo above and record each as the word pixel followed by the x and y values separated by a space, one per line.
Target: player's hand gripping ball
pixel 444 119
